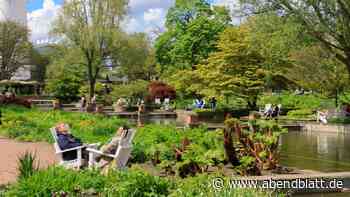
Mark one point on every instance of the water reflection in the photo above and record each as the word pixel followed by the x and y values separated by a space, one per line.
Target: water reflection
pixel 327 152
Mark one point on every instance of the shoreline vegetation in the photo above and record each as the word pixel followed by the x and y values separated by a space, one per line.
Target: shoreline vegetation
pixel 186 172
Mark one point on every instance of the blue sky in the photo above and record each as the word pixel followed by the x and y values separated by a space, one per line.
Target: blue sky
pixel 144 15
pixel 38 4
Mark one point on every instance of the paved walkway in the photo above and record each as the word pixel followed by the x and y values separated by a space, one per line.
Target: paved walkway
pixel 10 150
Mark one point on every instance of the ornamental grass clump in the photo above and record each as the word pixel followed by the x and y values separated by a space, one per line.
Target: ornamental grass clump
pixel 27 165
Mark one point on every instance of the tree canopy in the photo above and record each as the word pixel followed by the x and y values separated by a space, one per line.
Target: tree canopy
pixel 327 21
pixel 234 70
pixel 15 48
pixel 193 28
pixel 90 26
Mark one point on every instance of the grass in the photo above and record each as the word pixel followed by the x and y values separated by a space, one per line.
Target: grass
pixel 33 125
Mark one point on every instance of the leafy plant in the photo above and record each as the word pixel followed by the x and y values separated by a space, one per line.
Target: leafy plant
pixel 257 140
pixel 26 165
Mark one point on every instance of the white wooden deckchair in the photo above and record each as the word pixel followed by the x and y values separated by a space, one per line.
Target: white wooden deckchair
pixel 74 164
pixel 122 154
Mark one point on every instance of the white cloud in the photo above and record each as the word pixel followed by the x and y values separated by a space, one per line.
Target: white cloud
pixel 153 15
pixel 40 21
pixel 132 25
pixel 144 16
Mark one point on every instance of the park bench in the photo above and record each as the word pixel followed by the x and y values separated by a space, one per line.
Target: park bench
pixel 121 155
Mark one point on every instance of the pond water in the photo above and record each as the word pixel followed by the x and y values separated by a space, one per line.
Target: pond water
pixel 325 152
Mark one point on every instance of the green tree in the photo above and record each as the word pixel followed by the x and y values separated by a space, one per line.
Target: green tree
pixel 313 68
pixel 65 74
pixel 40 62
pixel 234 70
pixel 327 21
pixel 90 26
pixel 275 37
pixel 135 57
pixel 193 28
pixel 15 48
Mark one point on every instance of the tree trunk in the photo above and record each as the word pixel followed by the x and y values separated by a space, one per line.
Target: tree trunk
pixel 229 147
pixel 92 83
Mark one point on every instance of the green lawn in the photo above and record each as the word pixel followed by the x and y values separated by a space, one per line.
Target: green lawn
pixel 33 125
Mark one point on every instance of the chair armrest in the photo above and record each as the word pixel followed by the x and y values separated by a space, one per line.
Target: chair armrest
pixel 100 152
pixel 70 149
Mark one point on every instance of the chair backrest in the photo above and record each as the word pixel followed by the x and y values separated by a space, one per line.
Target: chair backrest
pixel 122 156
pixel 157 101
pixel 54 135
pixel 166 101
pixel 127 137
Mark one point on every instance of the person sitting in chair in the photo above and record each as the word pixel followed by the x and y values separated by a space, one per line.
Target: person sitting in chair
pixel 66 140
pixel 112 146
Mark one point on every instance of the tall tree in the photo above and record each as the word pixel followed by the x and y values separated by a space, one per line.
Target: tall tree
pixel 134 57
pixel 40 60
pixel 326 20
pixel 90 26
pixel 193 28
pixel 275 37
pixel 234 70
pixel 14 48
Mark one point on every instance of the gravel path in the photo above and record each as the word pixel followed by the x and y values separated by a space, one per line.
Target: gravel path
pixel 10 150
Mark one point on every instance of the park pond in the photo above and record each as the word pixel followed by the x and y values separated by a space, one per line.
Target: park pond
pixel 315 150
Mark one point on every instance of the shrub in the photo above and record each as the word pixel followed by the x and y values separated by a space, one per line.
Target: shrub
pixel 65 88
pixel 292 101
pixel 134 90
pixel 202 186
pixel 90 182
pixel 132 182
pixel 301 113
pixel 160 90
pixel 340 120
pixel 158 143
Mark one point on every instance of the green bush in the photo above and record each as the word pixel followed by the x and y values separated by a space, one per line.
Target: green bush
pixel 301 113
pixel 157 143
pixel 340 120
pixel 202 186
pixel 65 88
pixel 129 183
pixel 33 124
pixel 134 90
pixel 292 101
pixel 89 182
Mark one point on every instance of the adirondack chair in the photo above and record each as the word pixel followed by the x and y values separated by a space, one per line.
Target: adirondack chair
pixel 122 154
pixel 157 101
pixel 76 163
